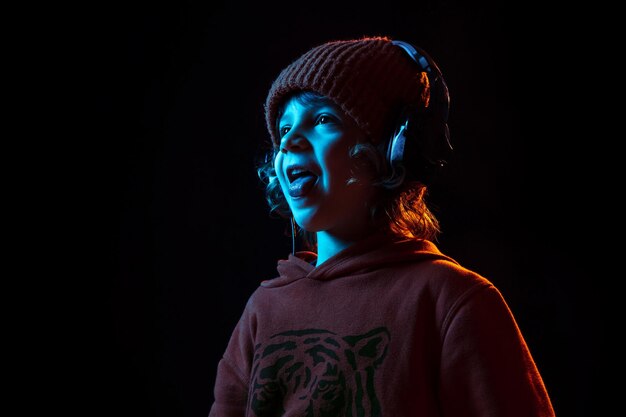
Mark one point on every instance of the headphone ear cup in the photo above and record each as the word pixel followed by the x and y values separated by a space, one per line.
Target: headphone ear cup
pixel 418 148
pixel 395 148
pixel 396 152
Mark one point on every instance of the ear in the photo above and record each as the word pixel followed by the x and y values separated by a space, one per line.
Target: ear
pixel 369 349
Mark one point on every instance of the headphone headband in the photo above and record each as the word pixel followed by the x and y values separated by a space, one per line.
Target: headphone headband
pixel 426 132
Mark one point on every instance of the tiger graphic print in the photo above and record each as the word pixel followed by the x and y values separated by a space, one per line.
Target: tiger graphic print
pixel 316 373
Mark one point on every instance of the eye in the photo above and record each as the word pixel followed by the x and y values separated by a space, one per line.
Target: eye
pixel 323 386
pixel 272 387
pixel 282 131
pixel 325 118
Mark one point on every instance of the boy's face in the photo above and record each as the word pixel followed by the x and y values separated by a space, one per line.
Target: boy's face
pixel 314 167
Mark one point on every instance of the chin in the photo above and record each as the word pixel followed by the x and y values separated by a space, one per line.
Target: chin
pixel 306 223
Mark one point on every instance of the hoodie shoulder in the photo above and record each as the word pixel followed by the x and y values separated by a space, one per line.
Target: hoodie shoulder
pixel 292 269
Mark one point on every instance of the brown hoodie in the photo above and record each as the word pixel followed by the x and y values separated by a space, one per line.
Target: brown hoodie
pixel 383 328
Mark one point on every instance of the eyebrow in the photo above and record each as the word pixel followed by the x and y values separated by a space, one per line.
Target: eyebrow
pixel 317 105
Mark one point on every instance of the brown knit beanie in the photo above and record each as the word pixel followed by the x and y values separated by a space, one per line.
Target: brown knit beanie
pixel 369 78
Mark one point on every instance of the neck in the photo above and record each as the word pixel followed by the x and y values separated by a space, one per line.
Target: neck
pixel 329 244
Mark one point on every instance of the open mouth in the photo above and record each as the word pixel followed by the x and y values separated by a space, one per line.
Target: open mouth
pixel 301 181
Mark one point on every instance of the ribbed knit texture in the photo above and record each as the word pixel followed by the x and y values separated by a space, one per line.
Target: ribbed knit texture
pixel 369 78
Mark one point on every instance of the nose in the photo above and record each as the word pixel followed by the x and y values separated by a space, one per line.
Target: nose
pixel 293 141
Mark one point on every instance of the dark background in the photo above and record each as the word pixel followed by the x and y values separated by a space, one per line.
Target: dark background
pixel 178 230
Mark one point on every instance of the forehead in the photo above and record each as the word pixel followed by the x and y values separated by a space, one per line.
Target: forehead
pixel 305 100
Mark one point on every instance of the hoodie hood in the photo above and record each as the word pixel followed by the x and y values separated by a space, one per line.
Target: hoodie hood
pixel 369 254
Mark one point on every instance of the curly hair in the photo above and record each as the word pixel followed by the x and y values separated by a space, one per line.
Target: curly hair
pixel 401 208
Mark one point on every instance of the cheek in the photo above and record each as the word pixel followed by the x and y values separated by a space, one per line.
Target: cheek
pixel 338 164
pixel 277 162
pixel 279 172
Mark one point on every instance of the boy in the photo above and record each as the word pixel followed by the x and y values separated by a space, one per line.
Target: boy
pixel 372 319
